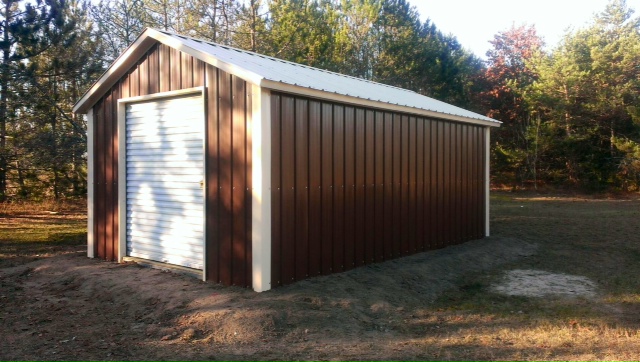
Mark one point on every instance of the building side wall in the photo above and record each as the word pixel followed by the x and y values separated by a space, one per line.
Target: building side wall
pixel 352 186
pixel 227 158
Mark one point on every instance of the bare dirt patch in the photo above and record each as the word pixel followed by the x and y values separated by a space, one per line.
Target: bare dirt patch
pixel 539 283
pixel 71 307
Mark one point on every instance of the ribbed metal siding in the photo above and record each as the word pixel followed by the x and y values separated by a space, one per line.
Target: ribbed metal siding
pixel 352 186
pixel 165 171
pixel 227 158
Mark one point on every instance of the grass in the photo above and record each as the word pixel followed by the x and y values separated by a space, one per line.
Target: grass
pixel 597 238
pixel 33 230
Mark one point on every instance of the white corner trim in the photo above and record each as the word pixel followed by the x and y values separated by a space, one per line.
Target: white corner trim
pixel 90 187
pixel 487 177
pixel 261 188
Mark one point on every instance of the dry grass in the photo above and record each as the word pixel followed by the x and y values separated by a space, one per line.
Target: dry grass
pixel 579 235
pixel 30 230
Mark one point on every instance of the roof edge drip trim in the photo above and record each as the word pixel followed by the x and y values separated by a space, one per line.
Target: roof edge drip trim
pixel 131 55
pixel 336 97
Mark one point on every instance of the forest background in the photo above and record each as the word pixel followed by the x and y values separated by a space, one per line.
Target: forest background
pixel 571 114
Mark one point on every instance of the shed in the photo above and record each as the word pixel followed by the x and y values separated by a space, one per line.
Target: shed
pixel 258 172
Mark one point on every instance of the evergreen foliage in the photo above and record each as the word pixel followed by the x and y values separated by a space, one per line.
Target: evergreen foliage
pixel 571 114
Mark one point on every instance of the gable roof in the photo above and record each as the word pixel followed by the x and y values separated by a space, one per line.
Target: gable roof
pixel 281 75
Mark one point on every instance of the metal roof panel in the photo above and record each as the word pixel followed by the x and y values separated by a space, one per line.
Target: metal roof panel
pixel 282 71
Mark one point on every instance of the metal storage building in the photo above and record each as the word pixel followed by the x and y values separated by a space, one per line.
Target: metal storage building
pixel 260 172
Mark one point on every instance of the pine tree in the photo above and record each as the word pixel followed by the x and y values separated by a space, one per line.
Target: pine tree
pixel 27 31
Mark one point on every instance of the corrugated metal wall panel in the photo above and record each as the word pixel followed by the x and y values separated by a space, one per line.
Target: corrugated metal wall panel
pixel 327 175
pixel 378 209
pixel 301 187
pixel 315 193
pixel 387 185
pixel 349 187
pixel 338 187
pixel 276 189
pixel 370 189
pixel 164 69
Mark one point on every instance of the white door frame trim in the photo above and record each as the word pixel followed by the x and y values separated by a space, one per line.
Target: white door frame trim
pixel 122 162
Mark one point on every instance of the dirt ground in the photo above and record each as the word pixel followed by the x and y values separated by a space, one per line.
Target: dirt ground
pixel 436 305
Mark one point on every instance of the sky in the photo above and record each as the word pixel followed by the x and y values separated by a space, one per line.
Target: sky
pixel 475 22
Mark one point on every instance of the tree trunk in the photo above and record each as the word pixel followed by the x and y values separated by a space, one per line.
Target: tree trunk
pixel 4 93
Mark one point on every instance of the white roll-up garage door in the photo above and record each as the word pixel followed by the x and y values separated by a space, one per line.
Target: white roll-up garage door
pixel 164 176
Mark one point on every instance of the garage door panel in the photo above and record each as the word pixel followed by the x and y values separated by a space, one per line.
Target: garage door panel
pixel 190 189
pixel 190 139
pixel 154 171
pixel 150 240
pixel 161 204
pixel 193 179
pixel 160 145
pixel 141 198
pixel 165 132
pixel 154 222
pixel 142 211
pixel 166 106
pixel 166 156
pixel 152 164
pixel 165 169
pixel 175 230
pixel 165 257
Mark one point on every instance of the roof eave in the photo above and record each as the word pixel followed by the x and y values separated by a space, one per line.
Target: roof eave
pixel 336 97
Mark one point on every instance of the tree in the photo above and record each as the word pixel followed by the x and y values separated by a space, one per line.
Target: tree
pixel 587 93
pixel 48 140
pixel 119 22
pixel 508 77
pixel 446 71
pixel 301 31
pixel 213 20
pixel 356 37
pixel 252 27
pixel 27 31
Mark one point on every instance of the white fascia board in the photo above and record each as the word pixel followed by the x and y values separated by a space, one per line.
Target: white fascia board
pixel 261 188
pixel 340 98
pixel 125 61
pixel 90 186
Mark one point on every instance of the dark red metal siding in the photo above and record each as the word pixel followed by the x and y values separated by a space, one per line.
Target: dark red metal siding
pixel 353 185
pixel 227 158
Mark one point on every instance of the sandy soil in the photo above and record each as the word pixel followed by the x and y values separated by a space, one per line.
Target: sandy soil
pixel 539 284
pixel 71 307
